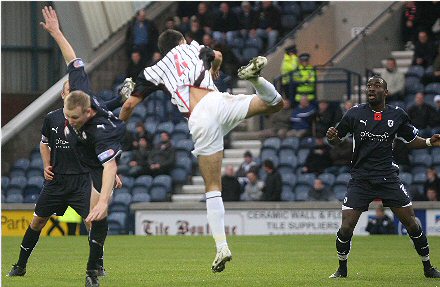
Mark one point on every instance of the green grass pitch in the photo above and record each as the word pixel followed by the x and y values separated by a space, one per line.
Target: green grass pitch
pixel 257 261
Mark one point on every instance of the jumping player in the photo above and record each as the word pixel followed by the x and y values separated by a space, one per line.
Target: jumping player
pixel 374 127
pixel 186 72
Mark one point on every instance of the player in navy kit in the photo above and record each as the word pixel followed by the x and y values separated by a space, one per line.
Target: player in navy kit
pixel 374 126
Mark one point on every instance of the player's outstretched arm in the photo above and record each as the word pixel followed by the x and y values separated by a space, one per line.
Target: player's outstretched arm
pixel 108 182
pixel 332 136
pixel 52 26
pixel 128 107
pixel 419 143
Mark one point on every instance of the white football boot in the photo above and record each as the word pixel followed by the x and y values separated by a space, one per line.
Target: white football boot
pixel 253 69
pixel 223 256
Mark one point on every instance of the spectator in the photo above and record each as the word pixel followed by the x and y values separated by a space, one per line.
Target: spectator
pixel 401 155
pixel 427 14
pixel 409 29
pixel 326 117
pixel 142 34
pixel 395 81
pixel 207 40
pixel 301 119
pixel 435 75
pixel 381 224
pixel 205 17
pixel 436 118
pixel 305 78
pixel 432 194
pixel 421 115
pixel 156 58
pixel 348 104
pixel 231 188
pixel 273 183
pixel 288 65
pixel 140 159
pixel 141 132
pixel 247 165
pixel 269 23
pixel 170 23
pixel 196 30
pixel 318 158
pixel 341 156
pixel 252 190
pixel 161 159
pixel 184 26
pixel 135 66
pixel 225 25
pixel 128 141
pixel 319 192
pixel 432 180
pixel 424 51
pixel 247 19
pixel 279 122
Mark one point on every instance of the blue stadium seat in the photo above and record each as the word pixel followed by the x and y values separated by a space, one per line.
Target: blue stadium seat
pixel 302 192
pixel 141 197
pixel 343 178
pixel 415 71
pixel 127 181
pixel 31 198
pixel 14 198
pixel 150 126
pixel 417 152
pixel 181 127
pixel 114 228
pixel 237 42
pixel 413 85
pixel 158 193
pixel 124 198
pixel 118 207
pixel 120 217
pixel 272 143
pixel 287 194
pixel 123 189
pixel 5 182
pixel 262 174
pixel 34 171
pixel 143 181
pixel 167 127
pixel 126 157
pixel 292 8
pixel 176 137
pixel 289 160
pixel 184 162
pixel 285 169
pixel 123 169
pixel 308 7
pixel 429 99
pixel 3 198
pixel 17 173
pixel 22 163
pixel 185 146
pixel 327 178
pixel 340 190
pixel 14 190
pixel 254 42
pixel 268 153
pixel 422 160
pixel 285 153
pixel 34 185
pixel 249 52
pixel 139 189
pixel 406 178
pixel 131 125
pixel 140 112
pixel 289 179
pixel 164 181
pixel 179 175
pixel 37 163
pixel 418 169
pixel 436 159
pixel 433 88
pixel 290 143
pixel 306 179
pixel 18 182
pixel 419 178
pixel 288 22
pixel 302 156
pixel 34 155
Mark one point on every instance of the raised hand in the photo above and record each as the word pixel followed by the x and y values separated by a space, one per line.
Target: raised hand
pixel 51 24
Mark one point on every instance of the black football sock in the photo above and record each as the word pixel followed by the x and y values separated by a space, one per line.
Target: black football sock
pixel 343 245
pixel 30 239
pixel 422 247
pixel 98 233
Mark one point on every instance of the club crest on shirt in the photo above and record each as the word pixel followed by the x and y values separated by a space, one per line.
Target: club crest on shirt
pixel 390 123
pixel 106 154
pixel 78 63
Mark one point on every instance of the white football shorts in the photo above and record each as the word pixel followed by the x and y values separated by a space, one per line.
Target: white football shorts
pixel 215 116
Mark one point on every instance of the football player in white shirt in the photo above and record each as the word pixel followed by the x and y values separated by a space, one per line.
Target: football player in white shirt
pixel 186 71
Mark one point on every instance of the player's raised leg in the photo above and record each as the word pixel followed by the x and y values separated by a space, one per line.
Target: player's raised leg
pixel 210 168
pixel 407 217
pixel 350 218
pixel 28 243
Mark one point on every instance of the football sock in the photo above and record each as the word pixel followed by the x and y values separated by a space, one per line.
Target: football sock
pixel 30 239
pixel 343 245
pixel 422 247
pixel 97 236
pixel 101 257
pixel 216 217
pixel 266 91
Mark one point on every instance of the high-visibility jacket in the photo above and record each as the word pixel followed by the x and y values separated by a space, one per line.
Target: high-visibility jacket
pixel 289 64
pixel 305 78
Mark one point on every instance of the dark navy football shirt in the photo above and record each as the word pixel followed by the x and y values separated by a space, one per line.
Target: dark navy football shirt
pixel 373 136
pixel 62 157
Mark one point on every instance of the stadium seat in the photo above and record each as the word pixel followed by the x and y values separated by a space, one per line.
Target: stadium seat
pixel 413 85
pixel 179 175
pixel 417 152
pixel 418 169
pixel 288 155
pixel 139 189
pixel 290 143
pixel 124 169
pixel 118 207
pixel 22 163
pixel 34 185
pixel 406 178
pixel 291 8
pixel 272 143
pixel 302 192
pixel 17 173
pixel 237 42
pixel 268 153
pixel 419 178
pixel 114 228
pixel 285 169
pixel 5 182
pixel 13 190
pixel 343 178
pixel 308 7
pixel 131 125
pixel 327 178
pixel 119 217
pixel 415 71
pixel 139 111
pixel 126 157
pixel 124 198
pixel 302 156
pixel 122 189
pixel 306 179
pixel 429 99
pixel 262 174
pixel 3 198
pixel 14 198
pixel 433 88
pixel 143 181
pixel 34 171
pixel 184 146
pixel 340 190
pixel 150 126
pixel 158 193
pixel 422 160
pixel 164 181
pixel 31 198
pixel 127 181
pixel 436 159
pixel 289 179
pixel 307 143
pixel 167 127
pixel 176 137
pixel 248 53
pixel 185 163
pixel 288 22
pixel 140 197
pixel 287 194
pixel 18 182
